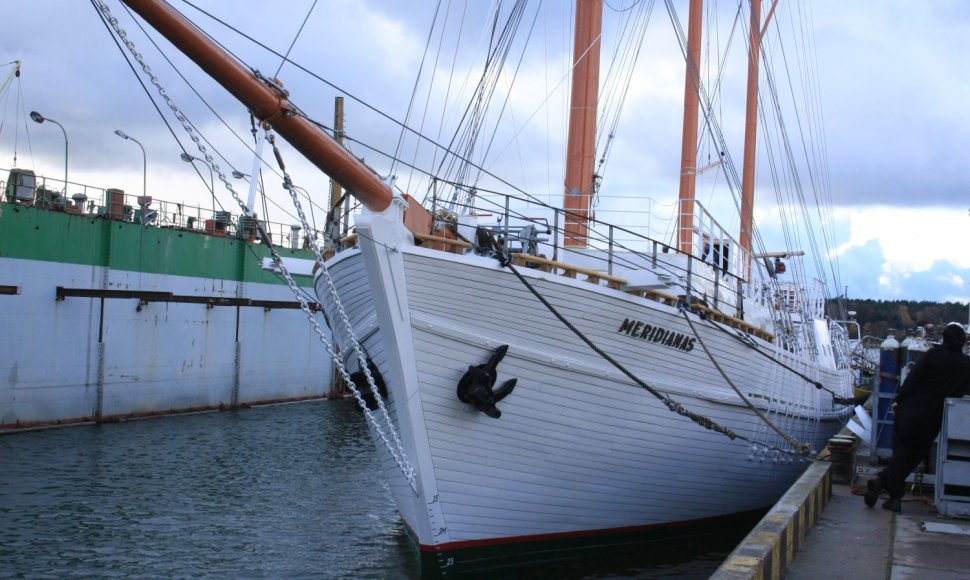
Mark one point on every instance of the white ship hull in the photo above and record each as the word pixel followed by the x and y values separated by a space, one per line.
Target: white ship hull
pixel 579 449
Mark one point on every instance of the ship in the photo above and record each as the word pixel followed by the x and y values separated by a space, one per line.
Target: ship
pixel 119 306
pixel 539 384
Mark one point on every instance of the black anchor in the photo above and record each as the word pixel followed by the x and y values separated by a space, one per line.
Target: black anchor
pixel 360 381
pixel 476 385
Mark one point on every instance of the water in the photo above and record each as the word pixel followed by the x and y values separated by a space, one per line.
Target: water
pixel 282 492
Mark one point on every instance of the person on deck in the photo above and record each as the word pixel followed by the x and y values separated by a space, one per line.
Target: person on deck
pixel 943 371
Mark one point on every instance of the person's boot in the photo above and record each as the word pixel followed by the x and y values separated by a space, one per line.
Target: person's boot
pixel 872 492
pixel 893 505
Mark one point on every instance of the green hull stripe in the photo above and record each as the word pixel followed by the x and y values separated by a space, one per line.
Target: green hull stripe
pixel 30 233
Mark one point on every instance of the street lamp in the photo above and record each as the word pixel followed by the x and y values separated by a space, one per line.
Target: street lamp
pixel 38 118
pixel 212 183
pixel 144 183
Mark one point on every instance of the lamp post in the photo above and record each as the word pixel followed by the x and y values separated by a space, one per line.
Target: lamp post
pixel 38 118
pixel 144 157
pixel 212 182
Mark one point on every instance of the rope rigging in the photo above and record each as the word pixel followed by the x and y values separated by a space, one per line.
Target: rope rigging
pixel 800 450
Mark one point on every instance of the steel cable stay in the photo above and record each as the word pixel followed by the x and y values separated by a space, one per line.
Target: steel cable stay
pixel 396 449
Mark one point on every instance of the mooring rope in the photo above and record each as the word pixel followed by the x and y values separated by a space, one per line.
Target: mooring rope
pixel 803 448
pixel 672 405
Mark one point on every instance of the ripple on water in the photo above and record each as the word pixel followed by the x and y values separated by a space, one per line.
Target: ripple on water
pixel 285 491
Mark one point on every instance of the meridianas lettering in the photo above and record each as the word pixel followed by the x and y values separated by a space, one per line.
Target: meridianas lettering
pixel 657 334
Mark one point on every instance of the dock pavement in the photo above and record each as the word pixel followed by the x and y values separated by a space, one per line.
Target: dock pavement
pixel 824 530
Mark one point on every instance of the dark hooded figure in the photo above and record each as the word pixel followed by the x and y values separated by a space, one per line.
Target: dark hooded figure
pixel 943 371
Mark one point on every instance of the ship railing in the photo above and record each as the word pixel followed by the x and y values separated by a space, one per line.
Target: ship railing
pixel 528 226
pixel 23 188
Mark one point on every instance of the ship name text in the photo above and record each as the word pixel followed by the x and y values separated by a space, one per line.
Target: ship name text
pixel 657 334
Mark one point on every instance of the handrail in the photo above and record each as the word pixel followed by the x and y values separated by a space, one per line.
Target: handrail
pixel 115 204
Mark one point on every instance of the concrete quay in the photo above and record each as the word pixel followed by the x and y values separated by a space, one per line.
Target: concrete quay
pixel 824 530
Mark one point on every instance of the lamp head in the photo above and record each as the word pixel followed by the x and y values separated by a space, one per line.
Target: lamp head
pixel 187 158
pixel 121 134
pixel 37 117
pixel 238 175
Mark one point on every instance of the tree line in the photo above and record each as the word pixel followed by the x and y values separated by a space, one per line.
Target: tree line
pixel 878 317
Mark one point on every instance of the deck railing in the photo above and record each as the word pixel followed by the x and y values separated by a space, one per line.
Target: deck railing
pixel 24 188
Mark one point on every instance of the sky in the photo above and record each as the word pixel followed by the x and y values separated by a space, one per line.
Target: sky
pixel 889 113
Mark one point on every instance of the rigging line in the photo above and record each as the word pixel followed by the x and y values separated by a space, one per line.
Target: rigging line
pixel 802 448
pixel 728 166
pixel 451 77
pixel 431 83
pixel 508 95
pixel 674 406
pixel 136 75
pixel 468 124
pixel 349 95
pixel 630 7
pixel 188 84
pixel 532 199
pixel 250 248
pixel 608 146
pixel 821 204
pixel 215 113
pixel 286 57
pixel 721 69
pixel 754 347
pixel 671 404
pixel 417 80
pixel 487 90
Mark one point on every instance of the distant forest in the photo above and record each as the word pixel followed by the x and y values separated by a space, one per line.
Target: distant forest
pixel 878 317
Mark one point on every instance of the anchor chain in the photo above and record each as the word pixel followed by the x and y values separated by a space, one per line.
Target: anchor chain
pixel 397 448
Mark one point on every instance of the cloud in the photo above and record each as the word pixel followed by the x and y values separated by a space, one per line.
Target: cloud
pixel 890 111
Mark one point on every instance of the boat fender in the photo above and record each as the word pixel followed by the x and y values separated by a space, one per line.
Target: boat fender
pixel 476 386
pixel 360 381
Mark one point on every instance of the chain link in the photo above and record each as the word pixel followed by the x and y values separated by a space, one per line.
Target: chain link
pixel 397 448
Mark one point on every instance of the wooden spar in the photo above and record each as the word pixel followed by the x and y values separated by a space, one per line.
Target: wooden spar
pixel 581 146
pixel 750 130
pixel 338 136
pixel 266 104
pixel 688 164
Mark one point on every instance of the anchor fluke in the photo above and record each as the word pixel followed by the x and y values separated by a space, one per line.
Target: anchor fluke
pixel 476 386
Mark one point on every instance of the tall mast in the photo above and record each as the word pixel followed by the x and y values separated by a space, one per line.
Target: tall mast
pixel 750 130
pixel 266 103
pixel 338 135
pixel 688 164
pixel 581 146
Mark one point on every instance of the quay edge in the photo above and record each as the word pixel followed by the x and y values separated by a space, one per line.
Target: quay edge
pixel 768 550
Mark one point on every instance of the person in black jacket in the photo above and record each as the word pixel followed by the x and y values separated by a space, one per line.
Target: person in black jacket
pixel 943 371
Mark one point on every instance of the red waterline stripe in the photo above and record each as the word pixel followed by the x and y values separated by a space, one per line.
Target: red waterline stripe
pixel 566 535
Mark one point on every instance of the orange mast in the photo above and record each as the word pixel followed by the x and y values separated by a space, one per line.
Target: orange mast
pixel 688 164
pixel 581 146
pixel 266 103
pixel 750 130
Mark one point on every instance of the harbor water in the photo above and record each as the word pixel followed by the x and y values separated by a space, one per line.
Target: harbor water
pixel 282 491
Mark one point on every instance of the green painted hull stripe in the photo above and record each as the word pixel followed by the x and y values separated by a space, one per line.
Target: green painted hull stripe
pixel 30 233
